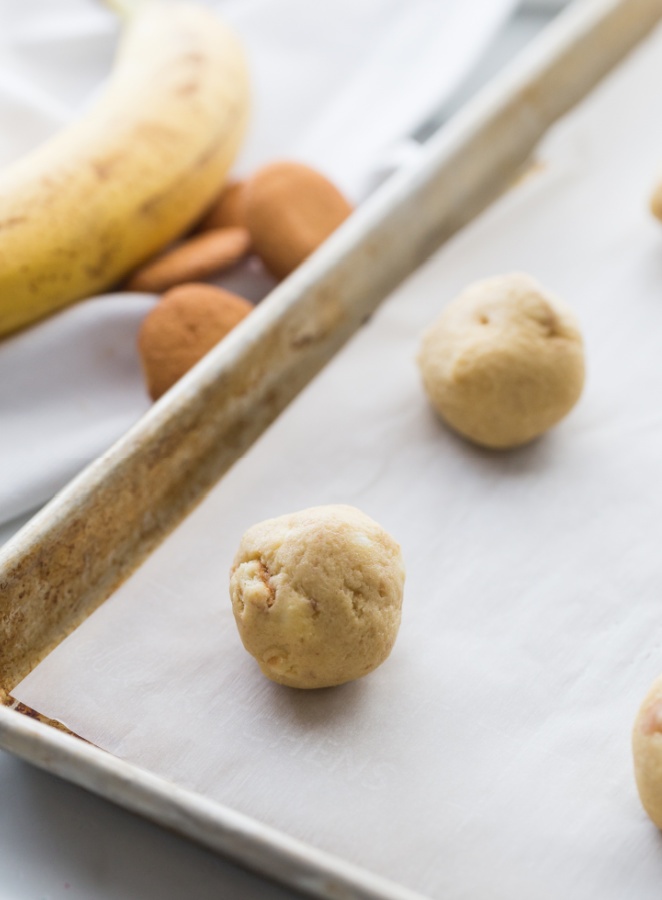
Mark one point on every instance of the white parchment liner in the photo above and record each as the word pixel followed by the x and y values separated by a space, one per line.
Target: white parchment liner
pixel 489 757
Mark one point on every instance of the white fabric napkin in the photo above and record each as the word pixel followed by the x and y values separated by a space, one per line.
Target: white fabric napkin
pixel 337 84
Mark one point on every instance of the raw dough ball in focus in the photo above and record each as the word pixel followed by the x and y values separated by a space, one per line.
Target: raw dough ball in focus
pixel 317 594
pixel 504 362
pixel 647 749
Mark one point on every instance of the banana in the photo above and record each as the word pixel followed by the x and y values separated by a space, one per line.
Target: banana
pixel 88 206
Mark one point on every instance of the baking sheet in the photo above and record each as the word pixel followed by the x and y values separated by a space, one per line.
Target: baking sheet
pixel 490 755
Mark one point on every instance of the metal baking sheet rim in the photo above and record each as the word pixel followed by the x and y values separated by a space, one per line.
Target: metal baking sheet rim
pixel 74 553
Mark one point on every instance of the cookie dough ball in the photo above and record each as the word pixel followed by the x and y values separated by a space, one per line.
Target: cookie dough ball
pixel 504 362
pixel 316 595
pixel 656 201
pixel 647 750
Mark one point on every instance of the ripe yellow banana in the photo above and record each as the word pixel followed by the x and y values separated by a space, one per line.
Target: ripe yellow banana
pixel 81 211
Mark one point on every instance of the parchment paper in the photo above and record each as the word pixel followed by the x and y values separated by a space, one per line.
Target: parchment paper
pixel 489 757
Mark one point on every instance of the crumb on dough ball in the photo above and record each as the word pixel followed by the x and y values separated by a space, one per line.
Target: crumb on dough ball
pixel 317 594
pixel 647 751
pixel 504 362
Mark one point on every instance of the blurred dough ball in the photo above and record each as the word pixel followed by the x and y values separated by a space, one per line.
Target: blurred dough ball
pixel 317 594
pixel 647 750
pixel 504 362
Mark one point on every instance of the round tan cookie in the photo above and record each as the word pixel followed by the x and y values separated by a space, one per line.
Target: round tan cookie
pixel 647 751
pixel 290 210
pixel 195 259
pixel 182 328
pixel 228 210
pixel 504 362
pixel 317 594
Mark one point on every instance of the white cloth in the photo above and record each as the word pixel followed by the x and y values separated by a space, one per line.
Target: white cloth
pixel 337 84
